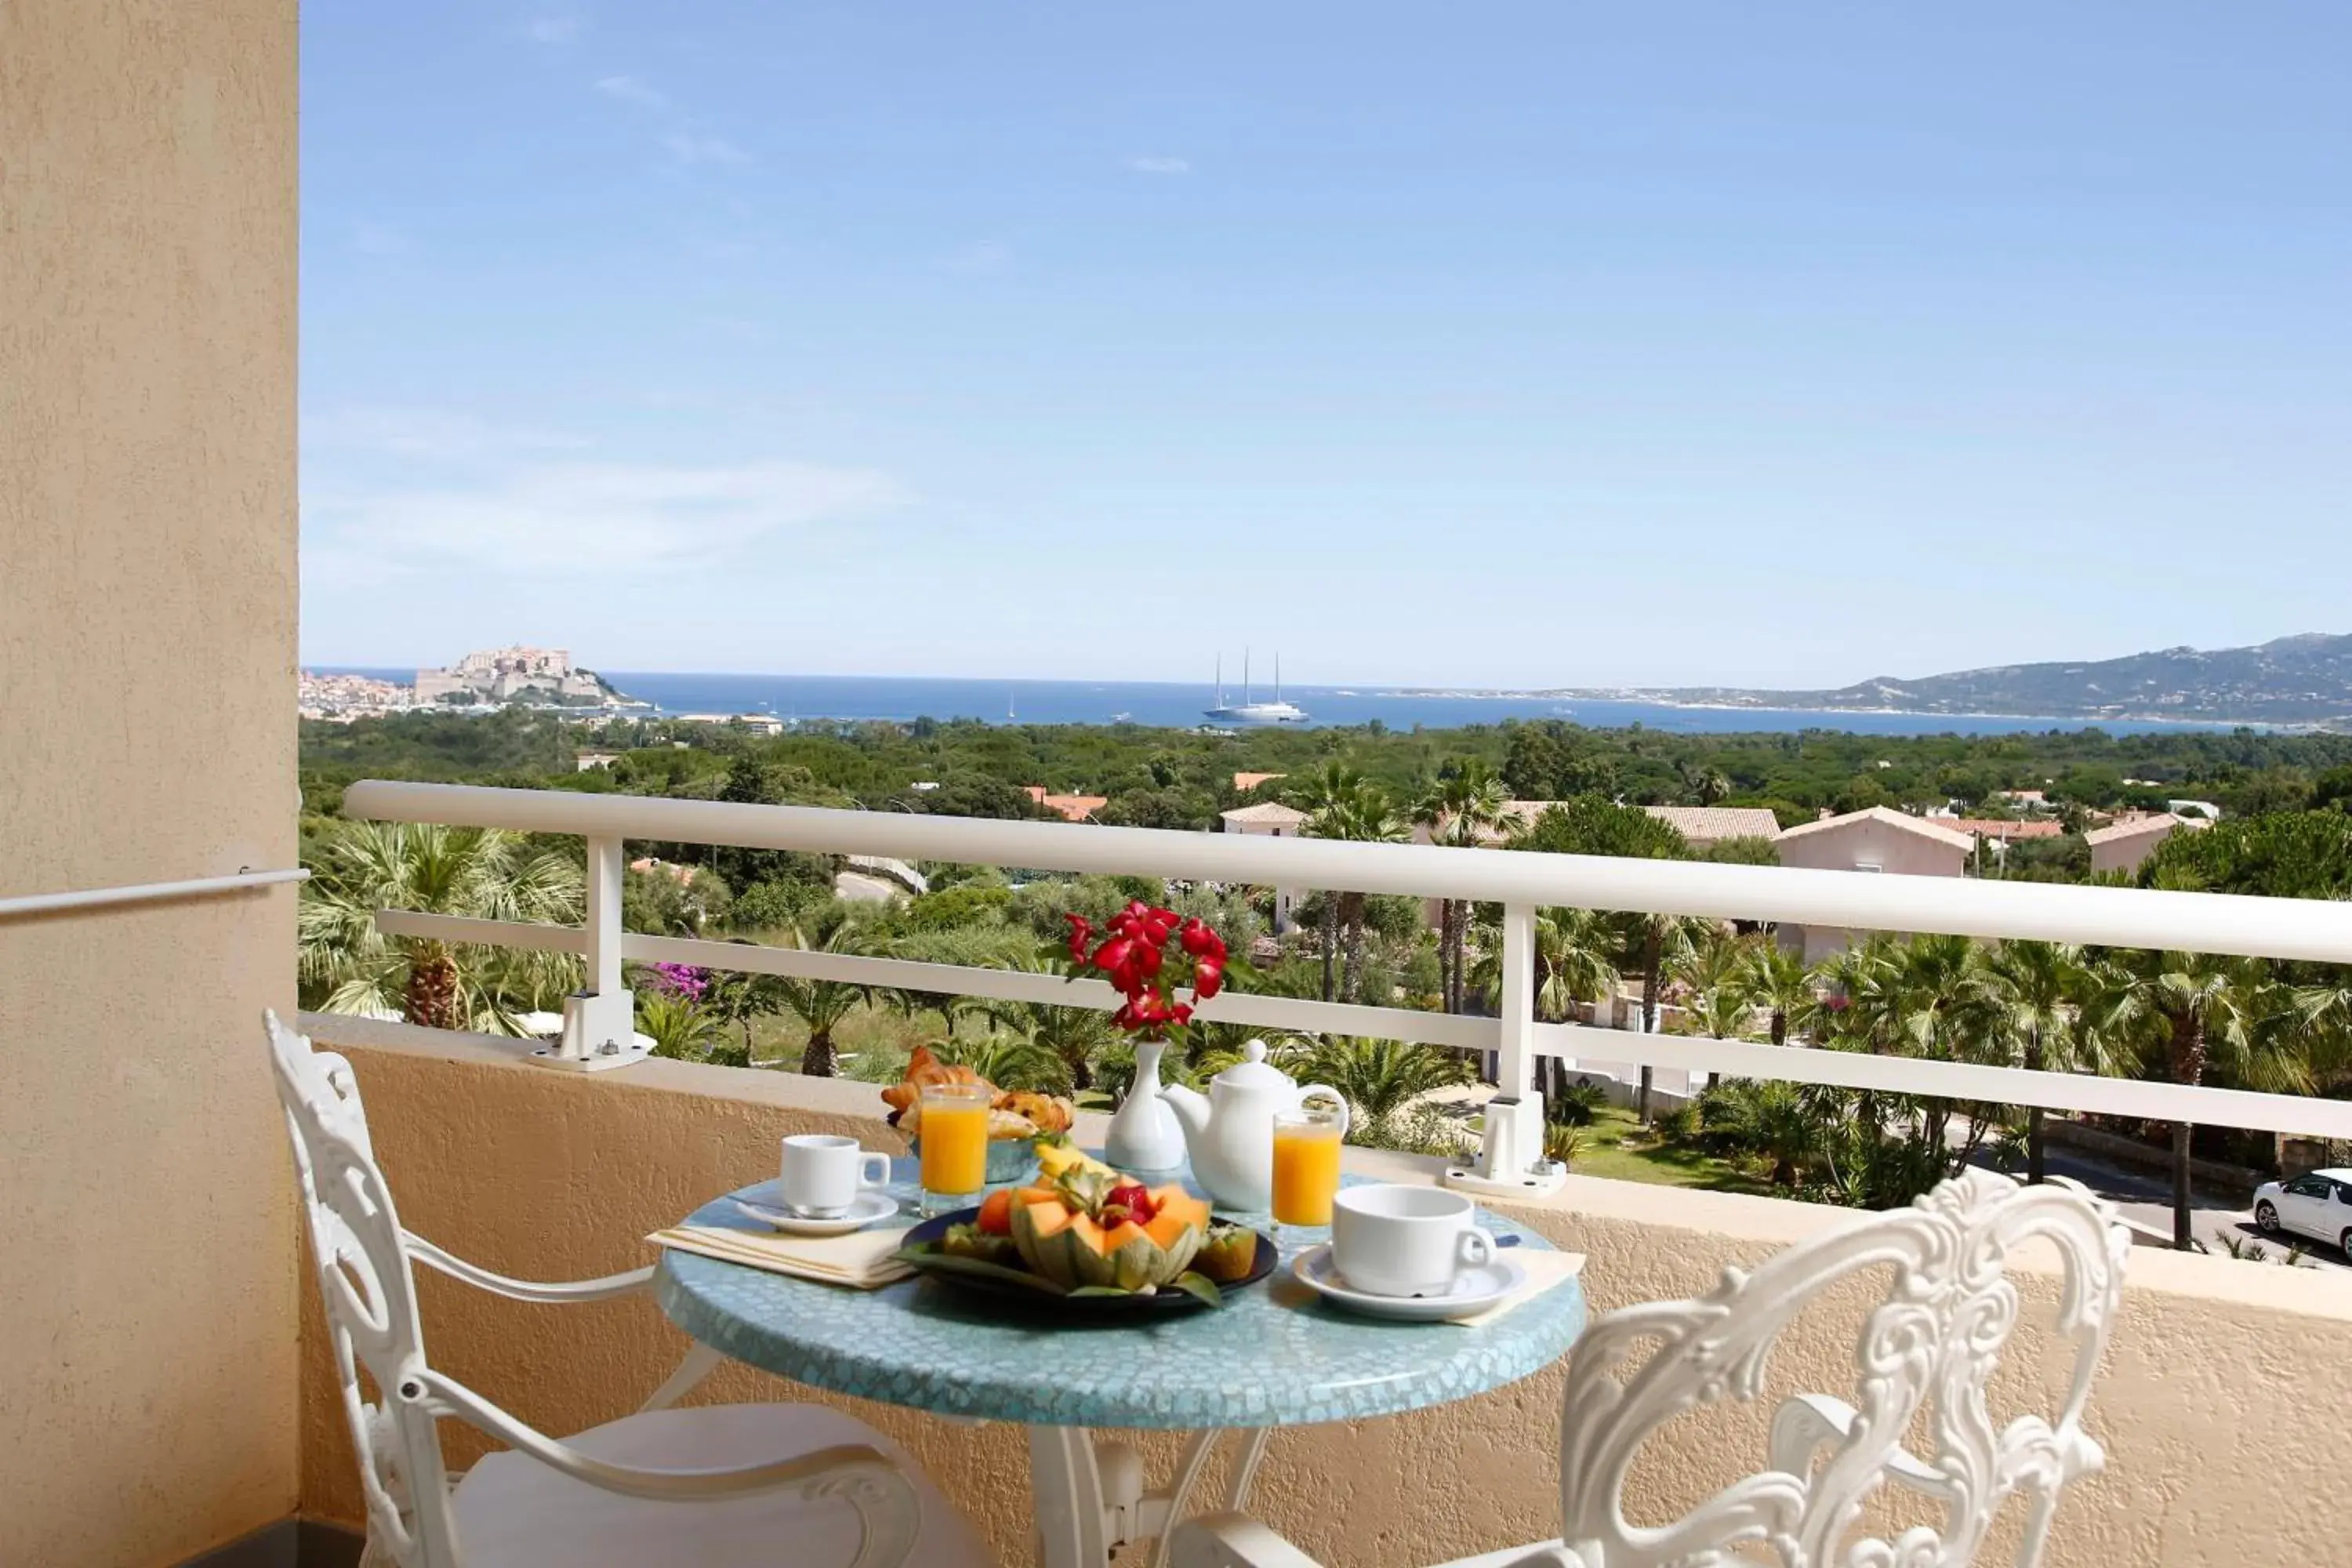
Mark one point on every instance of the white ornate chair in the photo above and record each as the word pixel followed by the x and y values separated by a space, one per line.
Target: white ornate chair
pixel 661 1486
pixel 1927 1351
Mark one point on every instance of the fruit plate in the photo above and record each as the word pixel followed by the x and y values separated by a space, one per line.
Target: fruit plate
pixel 1017 1287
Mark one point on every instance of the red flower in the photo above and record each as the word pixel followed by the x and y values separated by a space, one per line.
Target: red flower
pixel 1194 936
pixel 1181 1013
pixel 1147 959
pixel 1113 954
pixel 1080 934
pixel 1208 978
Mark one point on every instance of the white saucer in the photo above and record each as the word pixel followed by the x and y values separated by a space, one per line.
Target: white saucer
pixel 864 1211
pixel 1474 1290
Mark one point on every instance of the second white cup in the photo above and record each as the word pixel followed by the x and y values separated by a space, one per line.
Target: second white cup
pixel 1404 1240
pixel 823 1173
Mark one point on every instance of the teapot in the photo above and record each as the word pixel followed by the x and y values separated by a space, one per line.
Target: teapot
pixel 1229 1132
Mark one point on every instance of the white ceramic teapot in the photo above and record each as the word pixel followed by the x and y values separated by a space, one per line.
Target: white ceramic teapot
pixel 1229 1132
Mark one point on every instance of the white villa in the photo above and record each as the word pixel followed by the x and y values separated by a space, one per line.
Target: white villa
pixel 1271 819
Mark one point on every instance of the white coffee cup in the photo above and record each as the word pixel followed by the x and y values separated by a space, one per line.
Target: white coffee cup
pixel 1405 1240
pixel 823 1174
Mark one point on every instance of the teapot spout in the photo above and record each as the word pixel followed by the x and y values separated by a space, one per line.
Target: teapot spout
pixel 1191 1107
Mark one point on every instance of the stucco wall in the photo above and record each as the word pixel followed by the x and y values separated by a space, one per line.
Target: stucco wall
pixel 147 610
pixel 1897 851
pixel 2223 1403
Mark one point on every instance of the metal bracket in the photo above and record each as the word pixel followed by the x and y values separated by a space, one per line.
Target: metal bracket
pixel 599 1034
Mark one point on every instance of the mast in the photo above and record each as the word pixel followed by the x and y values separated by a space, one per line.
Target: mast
pixel 1278 680
pixel 1246 681
pixel 1220 681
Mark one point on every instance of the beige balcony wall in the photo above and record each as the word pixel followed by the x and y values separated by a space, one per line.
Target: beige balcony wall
pixel 2222 1405
pixel 147 606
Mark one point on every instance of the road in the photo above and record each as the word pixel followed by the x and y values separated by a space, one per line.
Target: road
pixel 2146 1201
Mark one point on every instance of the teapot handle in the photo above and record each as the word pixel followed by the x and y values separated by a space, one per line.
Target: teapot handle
pixel 1345 1111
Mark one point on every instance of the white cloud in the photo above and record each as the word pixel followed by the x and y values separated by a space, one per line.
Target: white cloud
pixel 629 89
pixel 1161 166
pixel 426 433
pixel 980 255
pixel 553 28
pixel 692 147
pixel 539 520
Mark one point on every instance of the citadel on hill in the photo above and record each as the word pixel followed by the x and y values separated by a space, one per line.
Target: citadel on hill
pixel 501 675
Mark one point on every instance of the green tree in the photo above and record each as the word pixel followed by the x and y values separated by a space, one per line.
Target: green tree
pixel 822 1005
pixel 2186 1014
pixel 345 964
pixel 1465 809
pixel 1378 1077
pixel 1776 981
pixel 2034 997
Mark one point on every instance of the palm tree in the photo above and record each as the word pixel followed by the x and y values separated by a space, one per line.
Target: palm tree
pixel 1077 1036
pixel 1461 811
pixel 346 965
pixel 1776 981
pixel 1378 1077
pixel 2034 997
pixel 1772 1119
pixel 822 1004
pixel 1340 804
pixel 1575 960
pixel 1661 945
pixel 2188 1014
pixel 1326 796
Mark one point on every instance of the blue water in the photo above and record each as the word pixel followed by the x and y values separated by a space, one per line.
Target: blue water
pixel 1180 705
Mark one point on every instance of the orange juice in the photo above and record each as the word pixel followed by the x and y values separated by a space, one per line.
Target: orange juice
pixel 954 1139
pixel 1306 1171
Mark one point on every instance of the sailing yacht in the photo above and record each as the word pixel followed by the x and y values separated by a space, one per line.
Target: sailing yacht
pixel 1248 713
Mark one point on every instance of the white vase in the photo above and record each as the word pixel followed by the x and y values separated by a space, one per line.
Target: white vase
pixel 1144 1134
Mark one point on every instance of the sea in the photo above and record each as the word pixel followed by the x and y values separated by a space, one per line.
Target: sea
pixel 1180 705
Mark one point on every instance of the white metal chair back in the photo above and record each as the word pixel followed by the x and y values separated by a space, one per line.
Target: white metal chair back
pixel 370 1297
pixel 1931 1346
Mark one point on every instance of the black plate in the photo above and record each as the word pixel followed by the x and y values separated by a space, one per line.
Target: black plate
pixel 1028 1291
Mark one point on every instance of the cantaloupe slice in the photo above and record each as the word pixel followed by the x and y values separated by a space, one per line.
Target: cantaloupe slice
pixel 1167 1228
pixel 1087 1232
pixel 1121 1234
pixel 1049 1219
pixel 1023 1196
pixel 1173 1199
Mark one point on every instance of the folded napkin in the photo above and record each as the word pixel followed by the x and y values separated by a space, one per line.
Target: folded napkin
pixel 860 1260
pixel 1544 1270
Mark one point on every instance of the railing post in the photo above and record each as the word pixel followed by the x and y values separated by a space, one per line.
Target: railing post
pixel 1511 1159
pixel 599 1019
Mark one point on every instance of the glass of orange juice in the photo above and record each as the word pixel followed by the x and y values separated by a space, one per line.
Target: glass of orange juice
pixel 1306 1168
pixel 954 1139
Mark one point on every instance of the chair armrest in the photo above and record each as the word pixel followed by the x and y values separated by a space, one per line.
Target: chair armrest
pixel 843 1467
pixel 457 1267
pixel 1234 1540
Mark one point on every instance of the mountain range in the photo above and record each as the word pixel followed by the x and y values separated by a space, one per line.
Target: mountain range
pixel 2304 680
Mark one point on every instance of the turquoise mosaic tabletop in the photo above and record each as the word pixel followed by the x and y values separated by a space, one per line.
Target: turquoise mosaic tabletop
pixel 1273 1355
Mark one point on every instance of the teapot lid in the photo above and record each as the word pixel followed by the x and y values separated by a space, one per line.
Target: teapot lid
pixel 1253 1071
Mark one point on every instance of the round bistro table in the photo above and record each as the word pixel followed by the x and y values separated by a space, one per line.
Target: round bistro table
pixel 1273 1355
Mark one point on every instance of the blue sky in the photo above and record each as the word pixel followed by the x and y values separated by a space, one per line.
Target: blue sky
pixel 1511 345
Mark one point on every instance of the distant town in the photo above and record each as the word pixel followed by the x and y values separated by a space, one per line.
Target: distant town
pixel 482 682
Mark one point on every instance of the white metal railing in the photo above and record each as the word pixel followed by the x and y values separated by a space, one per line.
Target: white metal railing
pixel 241 880
pixel 1521 882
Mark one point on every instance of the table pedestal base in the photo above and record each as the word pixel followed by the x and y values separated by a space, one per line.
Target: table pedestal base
pixel 1090 1495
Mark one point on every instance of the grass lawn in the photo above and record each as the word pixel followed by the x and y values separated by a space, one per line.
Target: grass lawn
pixel 1606 1154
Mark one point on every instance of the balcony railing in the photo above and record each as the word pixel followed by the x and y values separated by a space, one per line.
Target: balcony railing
pixel 1520 882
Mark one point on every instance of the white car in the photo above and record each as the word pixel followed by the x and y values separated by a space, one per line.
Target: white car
pixel 2316 1204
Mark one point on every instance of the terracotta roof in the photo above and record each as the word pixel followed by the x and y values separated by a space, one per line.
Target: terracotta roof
pixel 1992 827
pixel 1266 811
pixel 1890 818
pixel 1244 782
pixel 1713 824
pixel 2161 822
pixel 1073 807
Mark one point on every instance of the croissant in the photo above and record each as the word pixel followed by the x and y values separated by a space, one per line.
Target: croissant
pixel 924 1067
pixel 1049 1112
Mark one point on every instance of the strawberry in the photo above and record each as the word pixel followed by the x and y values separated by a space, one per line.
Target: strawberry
pixel 1135 1198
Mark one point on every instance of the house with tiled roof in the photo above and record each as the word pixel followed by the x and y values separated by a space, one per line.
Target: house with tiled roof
pixel 1069 807
pixel 1707 826
pixel 2126 845
pixel 1878 840
pixel 1270 819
